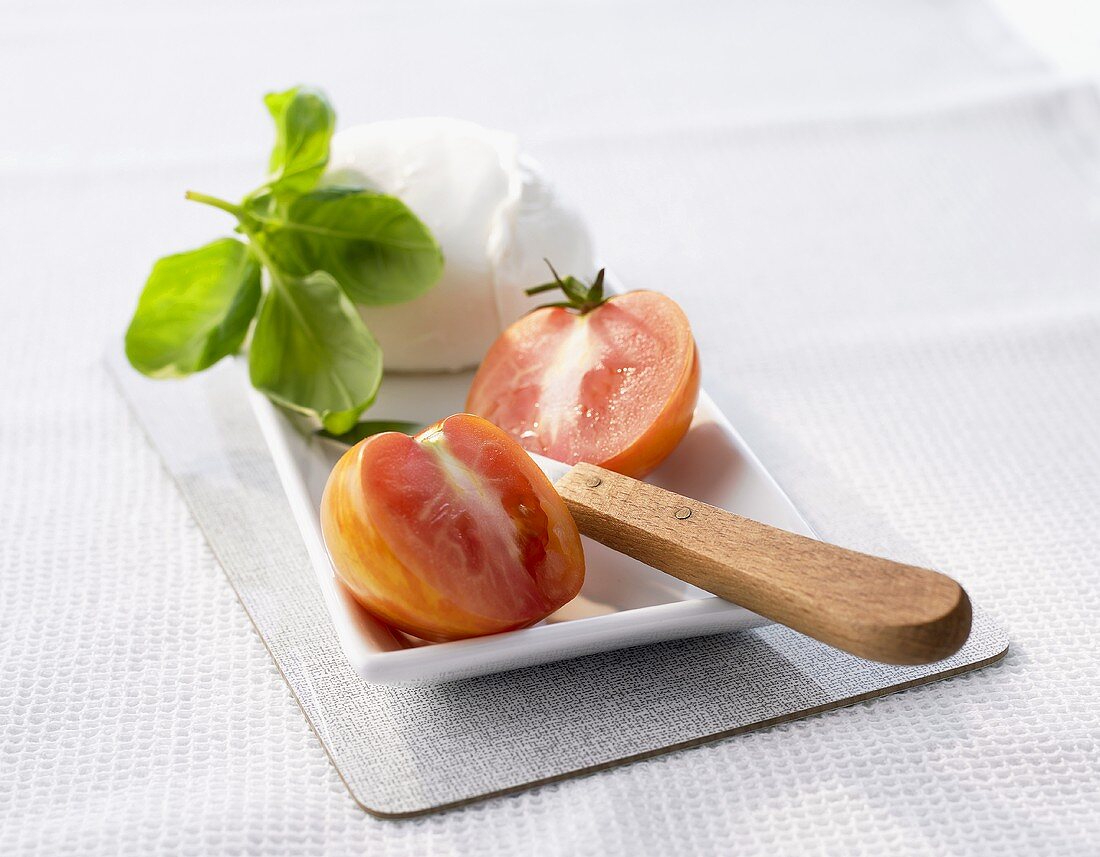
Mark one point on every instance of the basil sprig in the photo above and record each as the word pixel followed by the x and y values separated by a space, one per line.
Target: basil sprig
pixel 369 428
pixel 324 250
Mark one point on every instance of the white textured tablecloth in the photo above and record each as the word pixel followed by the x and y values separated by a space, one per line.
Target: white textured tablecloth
pixel 884 222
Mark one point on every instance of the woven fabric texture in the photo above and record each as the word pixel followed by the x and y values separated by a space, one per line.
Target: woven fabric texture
pixel 893 282
pixel 407 750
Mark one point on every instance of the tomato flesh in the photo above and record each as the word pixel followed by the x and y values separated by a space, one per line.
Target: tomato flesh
pixel 452 533
pixel 616 386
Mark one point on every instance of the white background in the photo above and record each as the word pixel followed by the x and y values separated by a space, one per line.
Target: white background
pixel 884 223
pixel 1066 31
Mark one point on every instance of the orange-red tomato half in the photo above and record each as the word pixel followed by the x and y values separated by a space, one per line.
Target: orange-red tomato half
pixel 452 533
pixel 616 386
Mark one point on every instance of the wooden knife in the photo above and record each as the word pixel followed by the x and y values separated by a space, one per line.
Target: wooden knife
pixel 871 607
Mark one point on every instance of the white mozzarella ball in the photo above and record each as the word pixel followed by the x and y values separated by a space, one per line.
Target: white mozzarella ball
pixel 493 213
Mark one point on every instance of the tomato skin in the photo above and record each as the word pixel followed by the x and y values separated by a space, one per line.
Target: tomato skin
pixel 454 533
pixel 658 441
pixel 616 386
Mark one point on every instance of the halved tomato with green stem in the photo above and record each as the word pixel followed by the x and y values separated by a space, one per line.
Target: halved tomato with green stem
pixel 452 533
pixel 612 381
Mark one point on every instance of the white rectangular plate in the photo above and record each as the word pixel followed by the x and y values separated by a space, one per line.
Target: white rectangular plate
pixel 623 602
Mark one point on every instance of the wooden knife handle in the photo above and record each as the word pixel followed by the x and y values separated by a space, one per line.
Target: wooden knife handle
pixel 871 607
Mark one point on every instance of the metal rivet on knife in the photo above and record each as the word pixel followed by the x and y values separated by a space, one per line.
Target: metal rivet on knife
pixel 593 481
pixel 683 513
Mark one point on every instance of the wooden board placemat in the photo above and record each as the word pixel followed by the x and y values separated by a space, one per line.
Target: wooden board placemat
pixel 404 751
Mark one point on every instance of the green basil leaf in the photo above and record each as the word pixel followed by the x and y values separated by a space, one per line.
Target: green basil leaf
pixel 369 428
pixel 195 309
pixel 304 122
pixel 376 248
pixel 311 352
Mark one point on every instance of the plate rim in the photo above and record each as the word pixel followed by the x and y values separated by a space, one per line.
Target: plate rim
pixel 708 613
